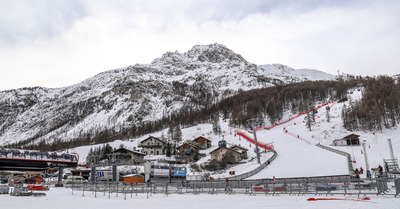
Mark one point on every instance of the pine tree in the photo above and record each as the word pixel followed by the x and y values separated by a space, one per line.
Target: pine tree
pixel 162 136
pixel 178 133
pixel 168 151
pixel 174 149
pixel 309 121
pixel 196 156
pixel 171 130
pixel 105 151
pixel 344 117
pixel 328 116
pixel 314 111
pixel 216 126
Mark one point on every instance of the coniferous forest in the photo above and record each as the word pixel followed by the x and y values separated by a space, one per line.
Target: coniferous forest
pixel 379 108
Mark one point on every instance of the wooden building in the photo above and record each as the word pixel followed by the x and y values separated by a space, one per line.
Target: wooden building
pixel 189 146
pixel 132 157
pixel 153 146
pixel 219 154
pixel 352 139
pixel 241 150
pixel 204 142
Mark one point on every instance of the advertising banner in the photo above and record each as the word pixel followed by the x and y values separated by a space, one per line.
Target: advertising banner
pixel 179 172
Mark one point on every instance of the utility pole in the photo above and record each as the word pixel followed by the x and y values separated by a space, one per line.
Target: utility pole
pixel 390 148
pixel 253 122
pixel 365 155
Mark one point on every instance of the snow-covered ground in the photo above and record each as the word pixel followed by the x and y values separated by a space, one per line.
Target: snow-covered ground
pixel 62 198
pixel 297 157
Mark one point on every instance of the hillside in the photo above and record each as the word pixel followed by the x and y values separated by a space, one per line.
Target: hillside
pixel 126 101
pixel 297 157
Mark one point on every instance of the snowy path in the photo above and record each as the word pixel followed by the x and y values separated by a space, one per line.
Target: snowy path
pixel 298 159
pixel 297 156
pixel 61 198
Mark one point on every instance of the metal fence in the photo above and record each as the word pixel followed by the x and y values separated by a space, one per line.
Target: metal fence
pixel 255 171
pixel 303 186
pixel 397 186
pixel 347 155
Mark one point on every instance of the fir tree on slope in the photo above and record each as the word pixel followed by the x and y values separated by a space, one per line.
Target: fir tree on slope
pixel 171 130
pixel 178 133
pixel 216 125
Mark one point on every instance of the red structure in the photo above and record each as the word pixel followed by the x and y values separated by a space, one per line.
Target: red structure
pixel 251 140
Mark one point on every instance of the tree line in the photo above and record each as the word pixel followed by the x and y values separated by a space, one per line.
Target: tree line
pixel 378 108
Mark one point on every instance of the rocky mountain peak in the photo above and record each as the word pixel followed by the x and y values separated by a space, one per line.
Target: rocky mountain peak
pixel 169 57
pixel 214 53
pixel 130 96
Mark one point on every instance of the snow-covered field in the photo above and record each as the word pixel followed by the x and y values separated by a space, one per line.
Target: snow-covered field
pixel 296 157
pixel 62 198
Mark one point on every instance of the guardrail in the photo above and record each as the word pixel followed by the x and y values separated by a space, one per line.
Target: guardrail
pixel 379 186
pixel 397 185
pixel 347 155
pixel 255 171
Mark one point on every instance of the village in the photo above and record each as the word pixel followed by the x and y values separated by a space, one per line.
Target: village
pixel 164 162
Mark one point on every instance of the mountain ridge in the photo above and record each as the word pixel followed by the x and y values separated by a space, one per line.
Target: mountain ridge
pixel 128 96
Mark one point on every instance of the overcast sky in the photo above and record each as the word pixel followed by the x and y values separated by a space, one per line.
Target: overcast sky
pixel 56 43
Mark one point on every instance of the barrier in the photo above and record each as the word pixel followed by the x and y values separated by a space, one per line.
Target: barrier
pixel 328 185
pixel 347 155
pixel 294 117
pixel 297 136
pixel 381 185
pixel 397 186
pixel 251 140
pixel 255 171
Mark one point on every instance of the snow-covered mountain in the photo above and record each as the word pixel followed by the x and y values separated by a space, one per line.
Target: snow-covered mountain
pixel 129 96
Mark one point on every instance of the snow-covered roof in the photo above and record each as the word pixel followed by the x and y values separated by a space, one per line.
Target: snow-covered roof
pixel 152 137
pixel 131 175
pixel 122 148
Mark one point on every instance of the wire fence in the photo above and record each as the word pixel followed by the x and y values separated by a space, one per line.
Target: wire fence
pixel 304 186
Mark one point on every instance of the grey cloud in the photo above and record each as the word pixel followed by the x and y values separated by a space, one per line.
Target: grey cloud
pixel 23 21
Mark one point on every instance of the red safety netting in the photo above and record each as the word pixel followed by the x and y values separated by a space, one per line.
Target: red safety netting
pixel 251 140
pixel 294 117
